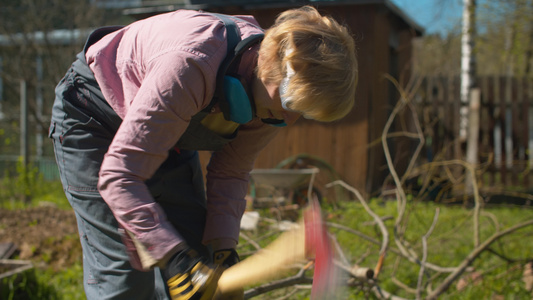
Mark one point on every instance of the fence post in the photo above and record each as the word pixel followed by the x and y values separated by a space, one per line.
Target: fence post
pixel 472 147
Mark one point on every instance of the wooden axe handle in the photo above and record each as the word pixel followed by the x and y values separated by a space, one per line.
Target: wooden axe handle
pixel 268 263
pixel 294 246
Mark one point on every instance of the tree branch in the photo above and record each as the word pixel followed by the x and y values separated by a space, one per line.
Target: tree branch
pixel 377 219
pixel 425 254
pixel 299 278
pixel 472 256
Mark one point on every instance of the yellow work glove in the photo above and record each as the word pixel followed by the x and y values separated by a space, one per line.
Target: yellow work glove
pixel 190 277
pixel 225 259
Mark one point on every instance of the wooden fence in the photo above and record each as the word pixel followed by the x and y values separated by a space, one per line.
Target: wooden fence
pixel 505 132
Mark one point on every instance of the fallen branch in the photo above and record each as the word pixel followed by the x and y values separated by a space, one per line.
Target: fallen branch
pixel 298 278
pixel 357 272
pixel 250 241
pixel 472 256
pixel 382 294
pixel 404 286
pixel 393 250
pixel 425 254
pixel 377 219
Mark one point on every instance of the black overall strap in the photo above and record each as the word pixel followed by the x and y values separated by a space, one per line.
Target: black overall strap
pixel 99 33
pixel 235 47
pixel 83 79
pixel 233 37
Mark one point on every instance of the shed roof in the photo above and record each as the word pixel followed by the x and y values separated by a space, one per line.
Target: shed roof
pixel 150 7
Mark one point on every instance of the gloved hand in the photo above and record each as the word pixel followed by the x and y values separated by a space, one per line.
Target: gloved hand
pixel 225 259
pixel 189 277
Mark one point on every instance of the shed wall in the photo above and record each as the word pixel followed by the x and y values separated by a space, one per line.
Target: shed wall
pixel 346 144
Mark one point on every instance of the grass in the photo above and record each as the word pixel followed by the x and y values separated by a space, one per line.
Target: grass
pixel 449 244
pixel 41 282
pixel 30 189
pixel 45 284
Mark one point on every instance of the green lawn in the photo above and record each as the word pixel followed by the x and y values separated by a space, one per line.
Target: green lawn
pixel 451 241
pixel 500 266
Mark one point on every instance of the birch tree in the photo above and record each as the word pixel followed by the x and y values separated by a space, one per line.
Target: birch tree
pixel 468 67
pixel 470 102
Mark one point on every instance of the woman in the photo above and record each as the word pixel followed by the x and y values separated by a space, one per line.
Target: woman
pixel 128 162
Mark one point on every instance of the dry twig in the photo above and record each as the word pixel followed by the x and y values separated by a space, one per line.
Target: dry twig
pixel 425 254
pixel 377 219
pixel 472 256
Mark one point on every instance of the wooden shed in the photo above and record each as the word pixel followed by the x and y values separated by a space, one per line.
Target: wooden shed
pixel 383 35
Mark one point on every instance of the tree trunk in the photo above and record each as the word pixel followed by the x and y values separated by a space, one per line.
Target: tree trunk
pixel 468 129
pixel 468 69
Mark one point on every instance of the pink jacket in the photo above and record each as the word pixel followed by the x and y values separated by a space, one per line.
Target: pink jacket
pixel 156 74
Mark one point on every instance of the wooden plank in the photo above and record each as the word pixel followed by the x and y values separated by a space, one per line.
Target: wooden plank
pixel 455 99
pixel 429 107
pixel 524 108
pixel 14 268
pixel 7 250
pixel 445 129
pixel 507 119
pixel 528 109
pixel 438 103
pixel 444 122
pixel 439 122
pixel 496 129
pixel 522 132
pixel 519 128
pixel 492 128
pixel 485 134
pixel 511 140
pixel 499 107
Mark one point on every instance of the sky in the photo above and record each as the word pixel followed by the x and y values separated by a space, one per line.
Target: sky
pixel 435 16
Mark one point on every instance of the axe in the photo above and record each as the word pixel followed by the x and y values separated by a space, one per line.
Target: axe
pixel 309 240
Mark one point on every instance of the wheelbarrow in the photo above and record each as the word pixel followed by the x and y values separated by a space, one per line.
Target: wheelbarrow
pixel 281 187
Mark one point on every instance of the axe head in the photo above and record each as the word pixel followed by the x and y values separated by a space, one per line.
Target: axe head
pixel 318 245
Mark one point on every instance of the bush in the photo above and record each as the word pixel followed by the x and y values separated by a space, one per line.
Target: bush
pixel 25 186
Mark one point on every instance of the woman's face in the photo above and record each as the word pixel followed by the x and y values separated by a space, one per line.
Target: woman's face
pixel 268 103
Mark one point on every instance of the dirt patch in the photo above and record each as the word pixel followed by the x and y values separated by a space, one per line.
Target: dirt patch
pixel 47 236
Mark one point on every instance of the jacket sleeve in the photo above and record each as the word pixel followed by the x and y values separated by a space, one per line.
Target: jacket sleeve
pixel 227 177
pixel 157 117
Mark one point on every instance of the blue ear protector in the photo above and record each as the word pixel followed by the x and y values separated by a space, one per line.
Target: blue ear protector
pixel 234 100
pixel 241 108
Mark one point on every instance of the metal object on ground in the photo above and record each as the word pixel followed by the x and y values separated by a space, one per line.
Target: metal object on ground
pixel 280 185
pixel 7 250
pixel 282 178
pixel 11 271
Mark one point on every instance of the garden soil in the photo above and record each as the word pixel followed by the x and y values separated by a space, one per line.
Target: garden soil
pixel 47 236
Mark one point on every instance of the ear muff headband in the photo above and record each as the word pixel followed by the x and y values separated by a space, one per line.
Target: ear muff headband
pixel 241 108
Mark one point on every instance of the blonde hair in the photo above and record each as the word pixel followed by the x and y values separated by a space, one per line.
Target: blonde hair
pixel 322 54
